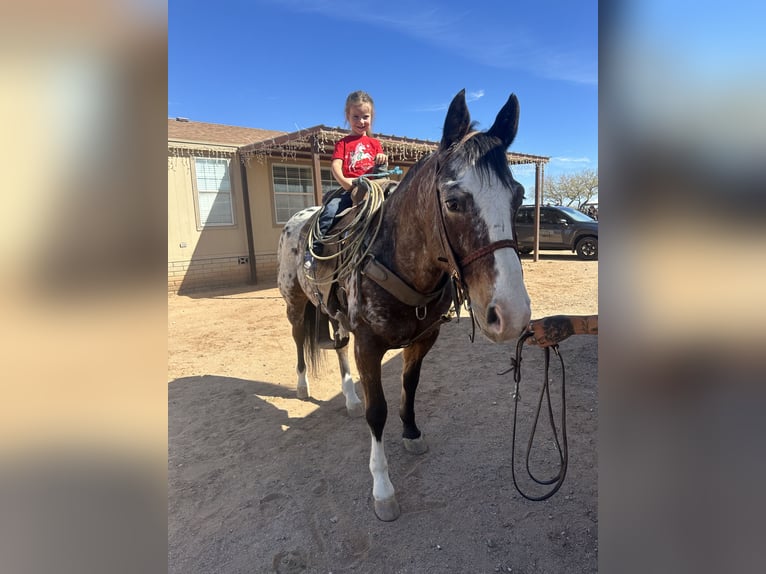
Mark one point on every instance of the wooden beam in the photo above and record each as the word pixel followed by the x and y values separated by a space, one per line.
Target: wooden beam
pixel 317 172
pixel 248 221
pixel 538 201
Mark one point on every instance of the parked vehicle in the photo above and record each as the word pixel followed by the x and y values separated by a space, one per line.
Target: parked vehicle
pixel 561 228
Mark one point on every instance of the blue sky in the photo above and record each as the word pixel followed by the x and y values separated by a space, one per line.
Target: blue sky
pixel 289 64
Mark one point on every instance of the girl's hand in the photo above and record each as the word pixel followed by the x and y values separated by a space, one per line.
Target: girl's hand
pixel 381 159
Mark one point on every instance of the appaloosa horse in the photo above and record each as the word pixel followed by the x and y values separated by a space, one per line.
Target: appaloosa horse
pixel 446 231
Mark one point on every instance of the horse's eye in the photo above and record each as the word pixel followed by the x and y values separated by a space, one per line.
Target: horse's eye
pixel 452 205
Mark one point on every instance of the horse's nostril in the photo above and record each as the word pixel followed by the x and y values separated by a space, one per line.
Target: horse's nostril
pixel 492 316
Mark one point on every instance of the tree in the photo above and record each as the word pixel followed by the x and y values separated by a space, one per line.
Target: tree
pixel 571 189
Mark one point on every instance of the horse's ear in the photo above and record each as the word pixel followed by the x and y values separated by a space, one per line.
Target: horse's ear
pixel 507 122
pixel 457 122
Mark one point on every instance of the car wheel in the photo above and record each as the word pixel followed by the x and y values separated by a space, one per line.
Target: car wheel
pixel 587 248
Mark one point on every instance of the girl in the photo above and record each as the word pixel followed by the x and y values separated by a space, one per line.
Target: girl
pixel 355 155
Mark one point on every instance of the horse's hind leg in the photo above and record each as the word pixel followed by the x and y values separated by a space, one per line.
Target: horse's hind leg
pixel 412 358
pixel 302 389
pixel 354 406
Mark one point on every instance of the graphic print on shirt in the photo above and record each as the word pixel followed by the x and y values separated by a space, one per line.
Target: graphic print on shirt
pixel 359 154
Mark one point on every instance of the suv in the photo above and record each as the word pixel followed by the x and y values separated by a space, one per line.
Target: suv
pixel 560 228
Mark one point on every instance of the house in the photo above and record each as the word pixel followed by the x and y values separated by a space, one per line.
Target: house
pixel 231 190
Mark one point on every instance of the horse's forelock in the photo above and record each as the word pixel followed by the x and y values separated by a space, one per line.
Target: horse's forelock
pixel 487 154
pixel 480 150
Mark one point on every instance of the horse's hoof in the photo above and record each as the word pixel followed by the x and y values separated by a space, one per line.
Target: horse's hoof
pixel 355 410
pixel 415 445
pixel 387 510
pixel 302 392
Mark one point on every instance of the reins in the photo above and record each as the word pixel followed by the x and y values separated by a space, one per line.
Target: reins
pixel 563 451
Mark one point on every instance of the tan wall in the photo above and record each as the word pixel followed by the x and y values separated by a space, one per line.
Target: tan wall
pixel 211 256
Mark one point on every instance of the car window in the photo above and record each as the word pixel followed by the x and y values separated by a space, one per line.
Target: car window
pixel 549 216
pixel 576 215
pixel 525 216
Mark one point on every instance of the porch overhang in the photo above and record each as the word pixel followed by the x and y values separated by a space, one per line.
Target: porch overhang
pixel 318 142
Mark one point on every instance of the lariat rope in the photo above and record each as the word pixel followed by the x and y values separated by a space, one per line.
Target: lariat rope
pixel 352 240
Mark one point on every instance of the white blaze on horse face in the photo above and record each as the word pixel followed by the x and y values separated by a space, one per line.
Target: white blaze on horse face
pixel 510 299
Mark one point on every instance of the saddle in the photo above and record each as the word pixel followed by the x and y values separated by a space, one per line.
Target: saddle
pixel 332 297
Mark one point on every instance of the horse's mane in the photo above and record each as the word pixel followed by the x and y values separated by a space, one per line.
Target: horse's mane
pixel 486 153
pixel 414 170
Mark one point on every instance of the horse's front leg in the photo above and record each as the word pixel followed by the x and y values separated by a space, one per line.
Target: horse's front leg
pixel 354 406
pixel 412 360
pixel 368 359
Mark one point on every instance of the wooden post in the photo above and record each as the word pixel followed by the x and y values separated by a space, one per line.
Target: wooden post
pixel 248 219
pixel 317 169
pixel 538 201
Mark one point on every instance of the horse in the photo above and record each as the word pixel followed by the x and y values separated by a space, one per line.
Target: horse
pixel 445 237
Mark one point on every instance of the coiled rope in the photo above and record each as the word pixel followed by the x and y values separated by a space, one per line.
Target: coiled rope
pixel 352 241
pixel 561 446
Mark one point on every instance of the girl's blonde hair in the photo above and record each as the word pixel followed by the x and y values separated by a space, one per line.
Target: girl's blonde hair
pixel 360 97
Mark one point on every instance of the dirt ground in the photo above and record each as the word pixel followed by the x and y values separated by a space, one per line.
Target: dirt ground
pixel 260 481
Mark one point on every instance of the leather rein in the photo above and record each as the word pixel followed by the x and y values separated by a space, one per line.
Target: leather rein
pixel 562 446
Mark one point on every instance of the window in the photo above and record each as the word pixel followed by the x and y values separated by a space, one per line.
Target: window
pixel 294 188
pixel 525 216
pixel 215 206
pixel 550 216
pixel 328 181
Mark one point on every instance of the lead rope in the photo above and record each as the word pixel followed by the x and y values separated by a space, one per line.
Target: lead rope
pixel 557 480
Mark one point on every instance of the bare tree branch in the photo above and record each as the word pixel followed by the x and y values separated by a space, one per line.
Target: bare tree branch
pixel 573 189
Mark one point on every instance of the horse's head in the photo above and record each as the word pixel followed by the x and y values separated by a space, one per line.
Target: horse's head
pixel 478 199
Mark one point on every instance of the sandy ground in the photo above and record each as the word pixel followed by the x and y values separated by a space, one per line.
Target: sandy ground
pixel 260 481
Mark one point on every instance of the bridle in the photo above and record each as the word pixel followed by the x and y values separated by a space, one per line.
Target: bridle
pixel 487 249
pixel 457 267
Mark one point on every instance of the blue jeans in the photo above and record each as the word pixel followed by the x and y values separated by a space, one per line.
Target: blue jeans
pixel 329 211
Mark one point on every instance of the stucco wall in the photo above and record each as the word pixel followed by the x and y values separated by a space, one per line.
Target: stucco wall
pixel 208 257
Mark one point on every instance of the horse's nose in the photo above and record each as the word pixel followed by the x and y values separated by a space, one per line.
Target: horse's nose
pixel 501 326
pixel 493 319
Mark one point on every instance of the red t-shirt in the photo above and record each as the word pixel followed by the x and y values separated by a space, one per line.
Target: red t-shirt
pixel 358 154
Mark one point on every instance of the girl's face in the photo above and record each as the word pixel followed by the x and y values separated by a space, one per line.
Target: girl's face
pixel 360 118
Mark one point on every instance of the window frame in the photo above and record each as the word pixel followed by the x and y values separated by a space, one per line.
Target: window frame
pixel 325 178
pixel 232 196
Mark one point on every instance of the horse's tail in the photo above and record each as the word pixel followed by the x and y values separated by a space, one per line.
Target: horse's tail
pixel 311 350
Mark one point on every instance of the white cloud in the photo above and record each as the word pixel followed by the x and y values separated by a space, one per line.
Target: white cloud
pixel 433 108
pixel 473 96
pixel 571 159
pixel 444 106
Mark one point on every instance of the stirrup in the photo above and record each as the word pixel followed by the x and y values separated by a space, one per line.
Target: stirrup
pixel 323 339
